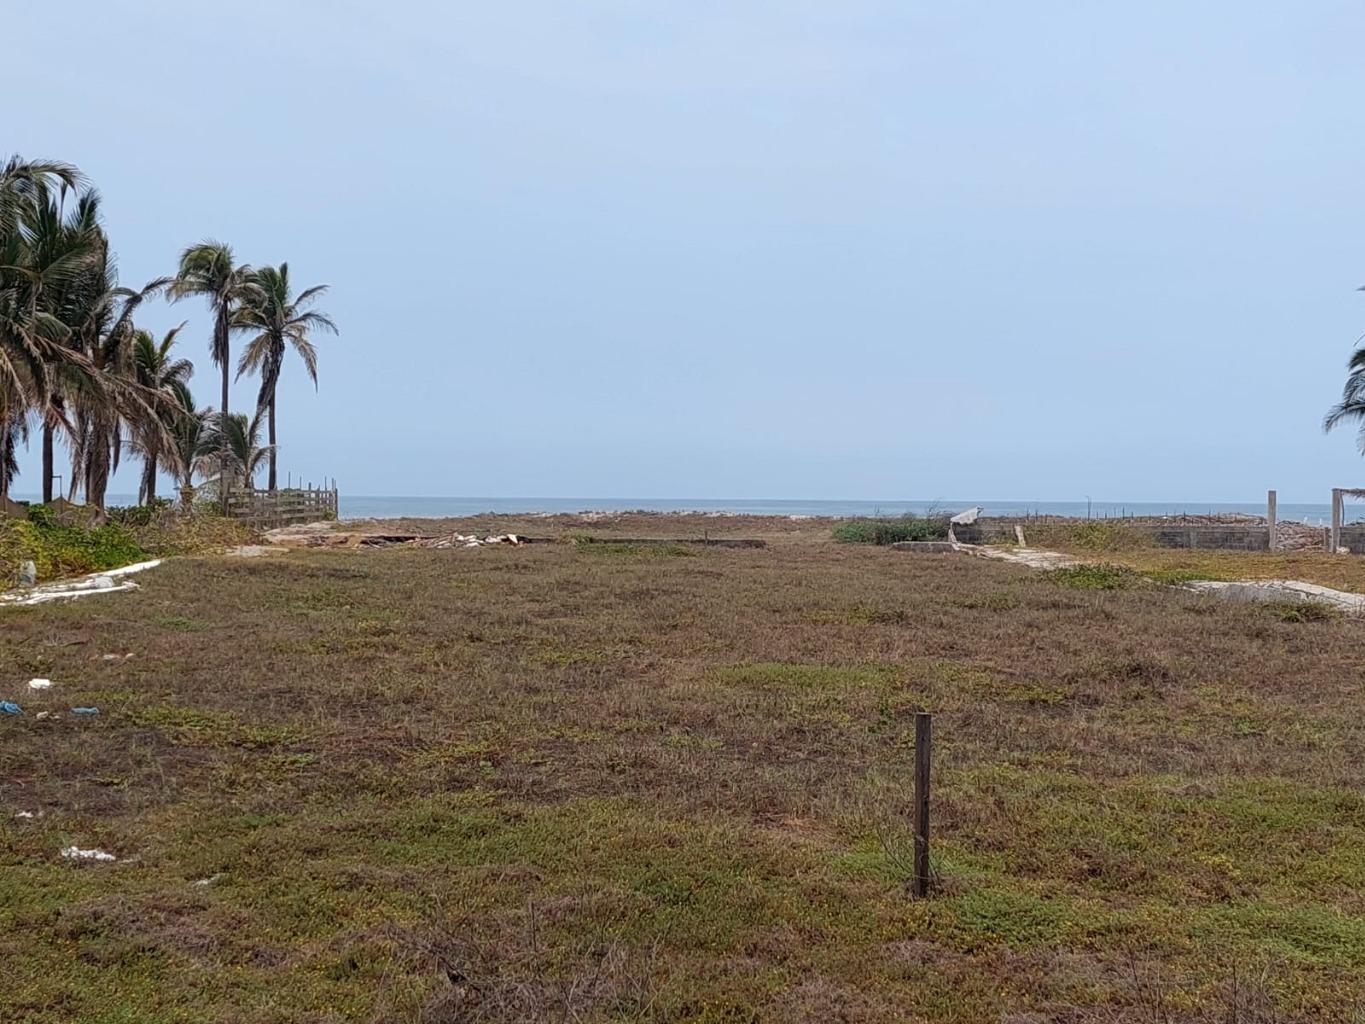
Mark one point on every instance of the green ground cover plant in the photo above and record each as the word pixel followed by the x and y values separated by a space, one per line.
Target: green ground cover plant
pixel 537 783
pixel 891 530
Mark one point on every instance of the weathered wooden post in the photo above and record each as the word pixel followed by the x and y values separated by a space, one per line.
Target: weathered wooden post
pixel 1270 503
pixel 1337 510
pixel 924 740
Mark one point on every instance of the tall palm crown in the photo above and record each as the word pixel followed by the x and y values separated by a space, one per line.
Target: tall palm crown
pixel 1351 408
pixel 242 439
pixel 74 282
pixel 192 441
pixel 46 262
pixel 281 321
pixel 20 179
pixel 161 376
pixel 29 331
pixel 209 270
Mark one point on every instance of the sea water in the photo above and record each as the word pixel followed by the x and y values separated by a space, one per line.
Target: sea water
pixel 386 507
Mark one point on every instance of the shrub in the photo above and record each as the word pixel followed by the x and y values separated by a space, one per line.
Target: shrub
pixel 1303 611
pixel 1100 576
pixel 141 515
pixel 1089 535
pixel 58 550
pixel 891 531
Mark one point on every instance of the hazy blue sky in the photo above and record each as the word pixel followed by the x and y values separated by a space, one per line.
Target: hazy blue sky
pixel 700 249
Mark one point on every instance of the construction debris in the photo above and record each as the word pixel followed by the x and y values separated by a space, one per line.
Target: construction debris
pixel 76 853
pixel 1292 591
pixel 463 540
pixel 251 551
pixel 107 582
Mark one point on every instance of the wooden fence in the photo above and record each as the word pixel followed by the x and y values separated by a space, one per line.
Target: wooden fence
pixel 266 509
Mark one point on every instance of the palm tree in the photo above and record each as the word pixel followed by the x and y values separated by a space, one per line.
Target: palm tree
pixel 75 241
pixel 21 179
pixel 1351 408
pixel 11 434
pixel 159 375
pixel 112 398
pixel 241 439
pixel 208 269
pixel 191 442
pixel 281 321
pixel 66 275
pixel 38 268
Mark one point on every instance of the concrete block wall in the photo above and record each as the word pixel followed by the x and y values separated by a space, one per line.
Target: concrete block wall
pixel 1223 537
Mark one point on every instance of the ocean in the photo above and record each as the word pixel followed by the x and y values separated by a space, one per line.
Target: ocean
pixel 385 507
pixel 357 506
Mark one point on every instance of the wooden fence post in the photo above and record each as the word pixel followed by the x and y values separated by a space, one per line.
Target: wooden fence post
pixel 1338 508
pixel 1270 516
pixel 924 740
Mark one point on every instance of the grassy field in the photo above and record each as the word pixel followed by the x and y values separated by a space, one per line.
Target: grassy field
pixel 633 783
pixel 1117 544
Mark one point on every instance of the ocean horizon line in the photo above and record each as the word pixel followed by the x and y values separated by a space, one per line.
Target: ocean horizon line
pixel 421 506
pixel 390 506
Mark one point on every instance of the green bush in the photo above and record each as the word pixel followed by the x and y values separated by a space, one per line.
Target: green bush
pixel 58 550
pixel 1100 576
pixel 891 531
pixel 140 515
pixel 1303 611
pixel 1088 535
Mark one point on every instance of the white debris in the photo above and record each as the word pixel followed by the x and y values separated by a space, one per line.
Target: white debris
pixel 968 517
pixel 129 570
pixel 1032 557
pixel 469 540
pixel 24 814
pixel 76 853
pixel 1281 590
pixel 252 551
pixel 40 684
pixel 205 882
pixel 1241 590
pixel 106 582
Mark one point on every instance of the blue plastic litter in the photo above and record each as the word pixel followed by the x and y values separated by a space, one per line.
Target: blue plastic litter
pixel 85 711
pixel 8 707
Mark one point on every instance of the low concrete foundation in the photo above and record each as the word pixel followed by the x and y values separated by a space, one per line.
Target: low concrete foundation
pixel 925 547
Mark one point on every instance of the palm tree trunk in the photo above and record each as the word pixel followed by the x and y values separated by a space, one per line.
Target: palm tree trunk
pixel 149 480
pixel 47 463
pixel 5 457
pixel 97 482
pixel 272 441
pixel 223 451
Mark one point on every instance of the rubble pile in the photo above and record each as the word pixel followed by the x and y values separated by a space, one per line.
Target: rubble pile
pixel 468 540
pixel 1293 536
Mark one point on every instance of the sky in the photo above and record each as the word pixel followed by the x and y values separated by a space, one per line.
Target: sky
pixel 864 250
